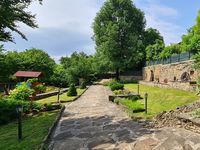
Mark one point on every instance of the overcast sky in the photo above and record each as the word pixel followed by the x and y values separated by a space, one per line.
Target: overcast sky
pixel 65 25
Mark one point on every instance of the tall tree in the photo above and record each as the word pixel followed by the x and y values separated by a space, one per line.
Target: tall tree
pixel 118 30
pixel 37 60
pixel 13 12
pixel 153 51
pixel 151 35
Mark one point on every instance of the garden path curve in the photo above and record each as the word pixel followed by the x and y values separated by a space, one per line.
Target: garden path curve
pixel 92 122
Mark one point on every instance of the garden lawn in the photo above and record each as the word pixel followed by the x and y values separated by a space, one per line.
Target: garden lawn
pixel 160 99
pixel 34 130
pixel 63 98
pixel 135 104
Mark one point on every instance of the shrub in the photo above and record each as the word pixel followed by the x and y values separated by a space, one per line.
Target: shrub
pixel 72 90
pixel 40 88
pixel 117 86
pixel 118 92
pixel 21 92
pixel 8 109
pixel 83 85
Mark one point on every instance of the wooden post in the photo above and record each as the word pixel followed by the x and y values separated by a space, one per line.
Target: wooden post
pixel 58 95
pixel 145 96
pixel 138 89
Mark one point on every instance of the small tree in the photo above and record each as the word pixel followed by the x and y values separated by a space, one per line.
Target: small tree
pixel 72 90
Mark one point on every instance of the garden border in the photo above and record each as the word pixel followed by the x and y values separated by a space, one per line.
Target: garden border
pixel 55 123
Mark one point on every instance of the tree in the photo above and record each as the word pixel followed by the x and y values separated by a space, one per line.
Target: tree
pixel 37 60
pixel 59 77
pixel 118 30
pixel 13 12
pixel 191 41
pixel 78 65
pixel 171 50
pixel 153 51
pixel 151 35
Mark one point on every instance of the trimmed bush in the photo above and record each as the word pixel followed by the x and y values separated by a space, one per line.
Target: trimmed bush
pixel 117 86
pixel 72 90
pixel 8 109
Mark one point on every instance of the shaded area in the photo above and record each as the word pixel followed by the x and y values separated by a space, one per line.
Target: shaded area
pixel 97 132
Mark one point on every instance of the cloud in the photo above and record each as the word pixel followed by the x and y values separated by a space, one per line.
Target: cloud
pixel 162 18
pixel 64 27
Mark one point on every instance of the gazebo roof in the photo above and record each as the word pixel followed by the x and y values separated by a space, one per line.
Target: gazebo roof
pixel 32 74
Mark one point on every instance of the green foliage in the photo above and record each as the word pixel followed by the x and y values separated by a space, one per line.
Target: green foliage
pixel 8 109
pixel 116 86
pixel 150 37
pixel 13 12
pixel 33 80
pixel 35 129
pixel 21 92
pixel 171 50
pixel 191 41
pixel 72 90
pixel 118 30
pixel 59 76
pixel 118 92
pixel 153 51
pixel 137 106
pixel 29 60
pixel 78 65
pixel 40 88
pixel 83 85
pixel 37 60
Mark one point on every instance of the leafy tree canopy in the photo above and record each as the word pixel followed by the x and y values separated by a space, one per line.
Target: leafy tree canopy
pixel 151 35
pixel 13 12
pixel 153 51
pixel 118 30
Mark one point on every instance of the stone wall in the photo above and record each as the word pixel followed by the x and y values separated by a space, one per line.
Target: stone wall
pixel 181 75
pixel 126 78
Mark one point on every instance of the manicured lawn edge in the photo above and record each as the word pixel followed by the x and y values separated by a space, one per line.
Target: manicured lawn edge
pixel 55 123
pixel 51 129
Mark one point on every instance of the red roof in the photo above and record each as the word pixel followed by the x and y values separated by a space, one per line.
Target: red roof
pixel 27 74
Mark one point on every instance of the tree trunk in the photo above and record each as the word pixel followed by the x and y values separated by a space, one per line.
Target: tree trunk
pixel 5 89
pixel 117 74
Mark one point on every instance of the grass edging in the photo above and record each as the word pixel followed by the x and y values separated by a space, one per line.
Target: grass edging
pixel 55 123
pixel 51 129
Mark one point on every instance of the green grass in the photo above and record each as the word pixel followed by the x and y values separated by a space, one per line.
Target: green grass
pixel 160 99
pixel 63 98
pixel 135 105
pixel 34 130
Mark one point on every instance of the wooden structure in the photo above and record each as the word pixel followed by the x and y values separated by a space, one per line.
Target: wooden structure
pixel 25 75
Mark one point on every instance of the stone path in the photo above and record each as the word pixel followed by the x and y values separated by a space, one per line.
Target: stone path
pixel 92 122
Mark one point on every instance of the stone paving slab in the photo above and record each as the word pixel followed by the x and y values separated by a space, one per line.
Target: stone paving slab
pixel 92 122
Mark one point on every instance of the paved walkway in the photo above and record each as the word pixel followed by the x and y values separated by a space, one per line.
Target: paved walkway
pixel 92 122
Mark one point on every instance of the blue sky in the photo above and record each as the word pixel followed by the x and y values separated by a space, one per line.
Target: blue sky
pixel 65 26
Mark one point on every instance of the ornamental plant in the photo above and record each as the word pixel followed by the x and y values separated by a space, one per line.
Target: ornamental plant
pixel 72 90
pixel 21 92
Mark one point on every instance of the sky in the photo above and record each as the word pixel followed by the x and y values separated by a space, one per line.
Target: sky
pixel 65 26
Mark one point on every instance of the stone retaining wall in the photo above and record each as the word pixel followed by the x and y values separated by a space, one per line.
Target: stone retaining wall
pixel 127 78
pixel 181 85
pixel 177 75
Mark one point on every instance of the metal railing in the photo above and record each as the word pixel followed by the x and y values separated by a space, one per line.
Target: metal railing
pixel 172 59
